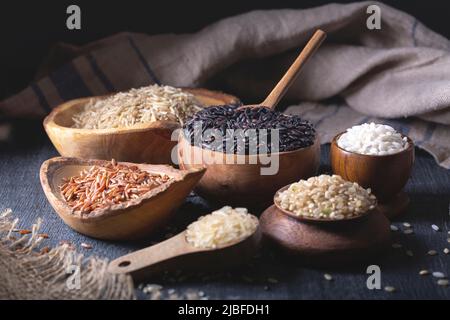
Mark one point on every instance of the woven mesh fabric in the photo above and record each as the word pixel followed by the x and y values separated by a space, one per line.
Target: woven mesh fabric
pixel 62 273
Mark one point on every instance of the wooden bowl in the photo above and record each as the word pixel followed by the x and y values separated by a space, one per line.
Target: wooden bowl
pixel 311 219
pixel 143 143
pixel 129 220
pixel 330 245
pixel 236 179
pixel 386 175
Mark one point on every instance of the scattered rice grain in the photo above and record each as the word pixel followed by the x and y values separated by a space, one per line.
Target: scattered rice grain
pixel 424 272
pixel 407 225
pixel 438 274
pixel 389 289
pixel 443 282
pixel 328 277
pixel 86 245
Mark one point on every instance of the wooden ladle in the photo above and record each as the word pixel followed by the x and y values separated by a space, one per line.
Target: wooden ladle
pixel 286 81
pixel 177 253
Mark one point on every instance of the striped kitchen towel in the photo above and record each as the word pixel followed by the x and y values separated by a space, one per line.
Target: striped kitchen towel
pixel 401 71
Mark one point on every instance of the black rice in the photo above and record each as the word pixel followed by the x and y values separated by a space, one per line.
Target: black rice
pixel 294 132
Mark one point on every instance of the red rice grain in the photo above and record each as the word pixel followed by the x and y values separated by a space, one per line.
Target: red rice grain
pixel 103 186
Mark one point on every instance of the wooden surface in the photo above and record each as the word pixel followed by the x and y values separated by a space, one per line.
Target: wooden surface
pixel 242 184
pixel 292 73
pixel 129 220
pixel 176 253
pixel 396 207
pixel 428 189
pixel 143 143
pixel 384 175
pixel 330 245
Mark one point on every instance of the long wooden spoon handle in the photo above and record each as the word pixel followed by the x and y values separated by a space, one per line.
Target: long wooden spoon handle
pixel 145 258
pixel 283 85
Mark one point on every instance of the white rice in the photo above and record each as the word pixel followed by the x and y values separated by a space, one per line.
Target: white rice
pixel 222 227
pixel 373 139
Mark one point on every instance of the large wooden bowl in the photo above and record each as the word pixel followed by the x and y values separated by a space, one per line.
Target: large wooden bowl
pixel 236 179
pixel 386 175
pixel 144 143
pixel 136 218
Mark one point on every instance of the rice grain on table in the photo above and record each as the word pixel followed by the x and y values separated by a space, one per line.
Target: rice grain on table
pixel 137 106
pixel 101 186
pixel 424 272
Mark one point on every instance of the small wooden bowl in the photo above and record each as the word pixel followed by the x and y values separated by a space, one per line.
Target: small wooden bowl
pixel 143 143
pixel 129 220
pixel 386 175
pixel 236 179
pixel 330 245
pixel 311 219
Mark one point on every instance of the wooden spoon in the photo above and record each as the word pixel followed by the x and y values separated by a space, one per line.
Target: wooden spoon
pixel 283 85
pixel 176 253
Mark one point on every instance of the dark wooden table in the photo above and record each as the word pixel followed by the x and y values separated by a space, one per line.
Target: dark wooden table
pixel 269 276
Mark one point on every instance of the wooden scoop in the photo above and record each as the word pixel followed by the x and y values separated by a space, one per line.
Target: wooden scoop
pixel 176 254
pixel 135 218
pixel 283 85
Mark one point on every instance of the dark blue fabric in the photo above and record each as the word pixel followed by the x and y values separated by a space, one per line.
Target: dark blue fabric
pixel 42 100
pixel 144 61
pixel 69 83
pixel 100 74
pixel 429 189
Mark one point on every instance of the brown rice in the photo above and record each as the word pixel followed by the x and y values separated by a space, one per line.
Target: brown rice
pixel 137 106
pixel 103 186
pixel 326 197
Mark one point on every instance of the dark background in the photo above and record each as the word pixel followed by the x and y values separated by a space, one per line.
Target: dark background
pixel 29 28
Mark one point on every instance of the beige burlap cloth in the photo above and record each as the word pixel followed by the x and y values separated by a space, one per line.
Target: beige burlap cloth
pixel 62 273
pixel 399 71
